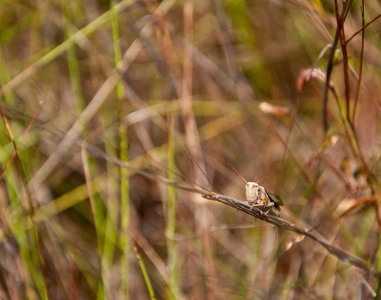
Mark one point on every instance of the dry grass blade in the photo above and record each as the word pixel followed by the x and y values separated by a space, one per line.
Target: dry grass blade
pixel 22 139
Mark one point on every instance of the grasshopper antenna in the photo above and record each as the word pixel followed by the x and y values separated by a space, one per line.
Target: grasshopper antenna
pixel 262 179
pixel 230 165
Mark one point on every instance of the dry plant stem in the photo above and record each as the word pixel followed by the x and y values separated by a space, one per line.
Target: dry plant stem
pixel 330 62
pixel 363 27
pixel 361 63
pixel 86 170
pixel 192 137
pixel 194 143
pixel 328 80
pixel 341 33
pixel 257 213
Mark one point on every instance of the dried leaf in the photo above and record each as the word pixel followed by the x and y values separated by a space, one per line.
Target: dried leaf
pixel 295 239
pixel 268 108
pixel 306 74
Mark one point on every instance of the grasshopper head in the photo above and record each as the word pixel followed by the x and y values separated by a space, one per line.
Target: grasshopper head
pixel 252 192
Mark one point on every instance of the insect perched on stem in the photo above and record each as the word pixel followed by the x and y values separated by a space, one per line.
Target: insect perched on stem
pixel 257 196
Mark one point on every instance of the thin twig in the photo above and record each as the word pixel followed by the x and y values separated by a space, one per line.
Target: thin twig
pixel 361 64
pixel 328 80
pixel 340 19
pixel 362 28
pixel 341 33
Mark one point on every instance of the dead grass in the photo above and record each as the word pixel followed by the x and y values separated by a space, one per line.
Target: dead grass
pixel 140 95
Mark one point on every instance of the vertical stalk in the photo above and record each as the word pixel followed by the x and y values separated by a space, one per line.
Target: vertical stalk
pixel 97 214
pixel 124 176
pixel 361 64
pixel 145 273
pixel 171 213
pixel 75 77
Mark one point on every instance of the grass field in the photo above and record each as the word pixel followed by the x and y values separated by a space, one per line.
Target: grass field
pixel 119 120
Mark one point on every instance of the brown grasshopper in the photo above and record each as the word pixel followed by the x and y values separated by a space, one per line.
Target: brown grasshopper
pixel 258 197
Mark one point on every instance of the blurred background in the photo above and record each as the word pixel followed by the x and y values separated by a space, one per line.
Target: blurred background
pixel 179 89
